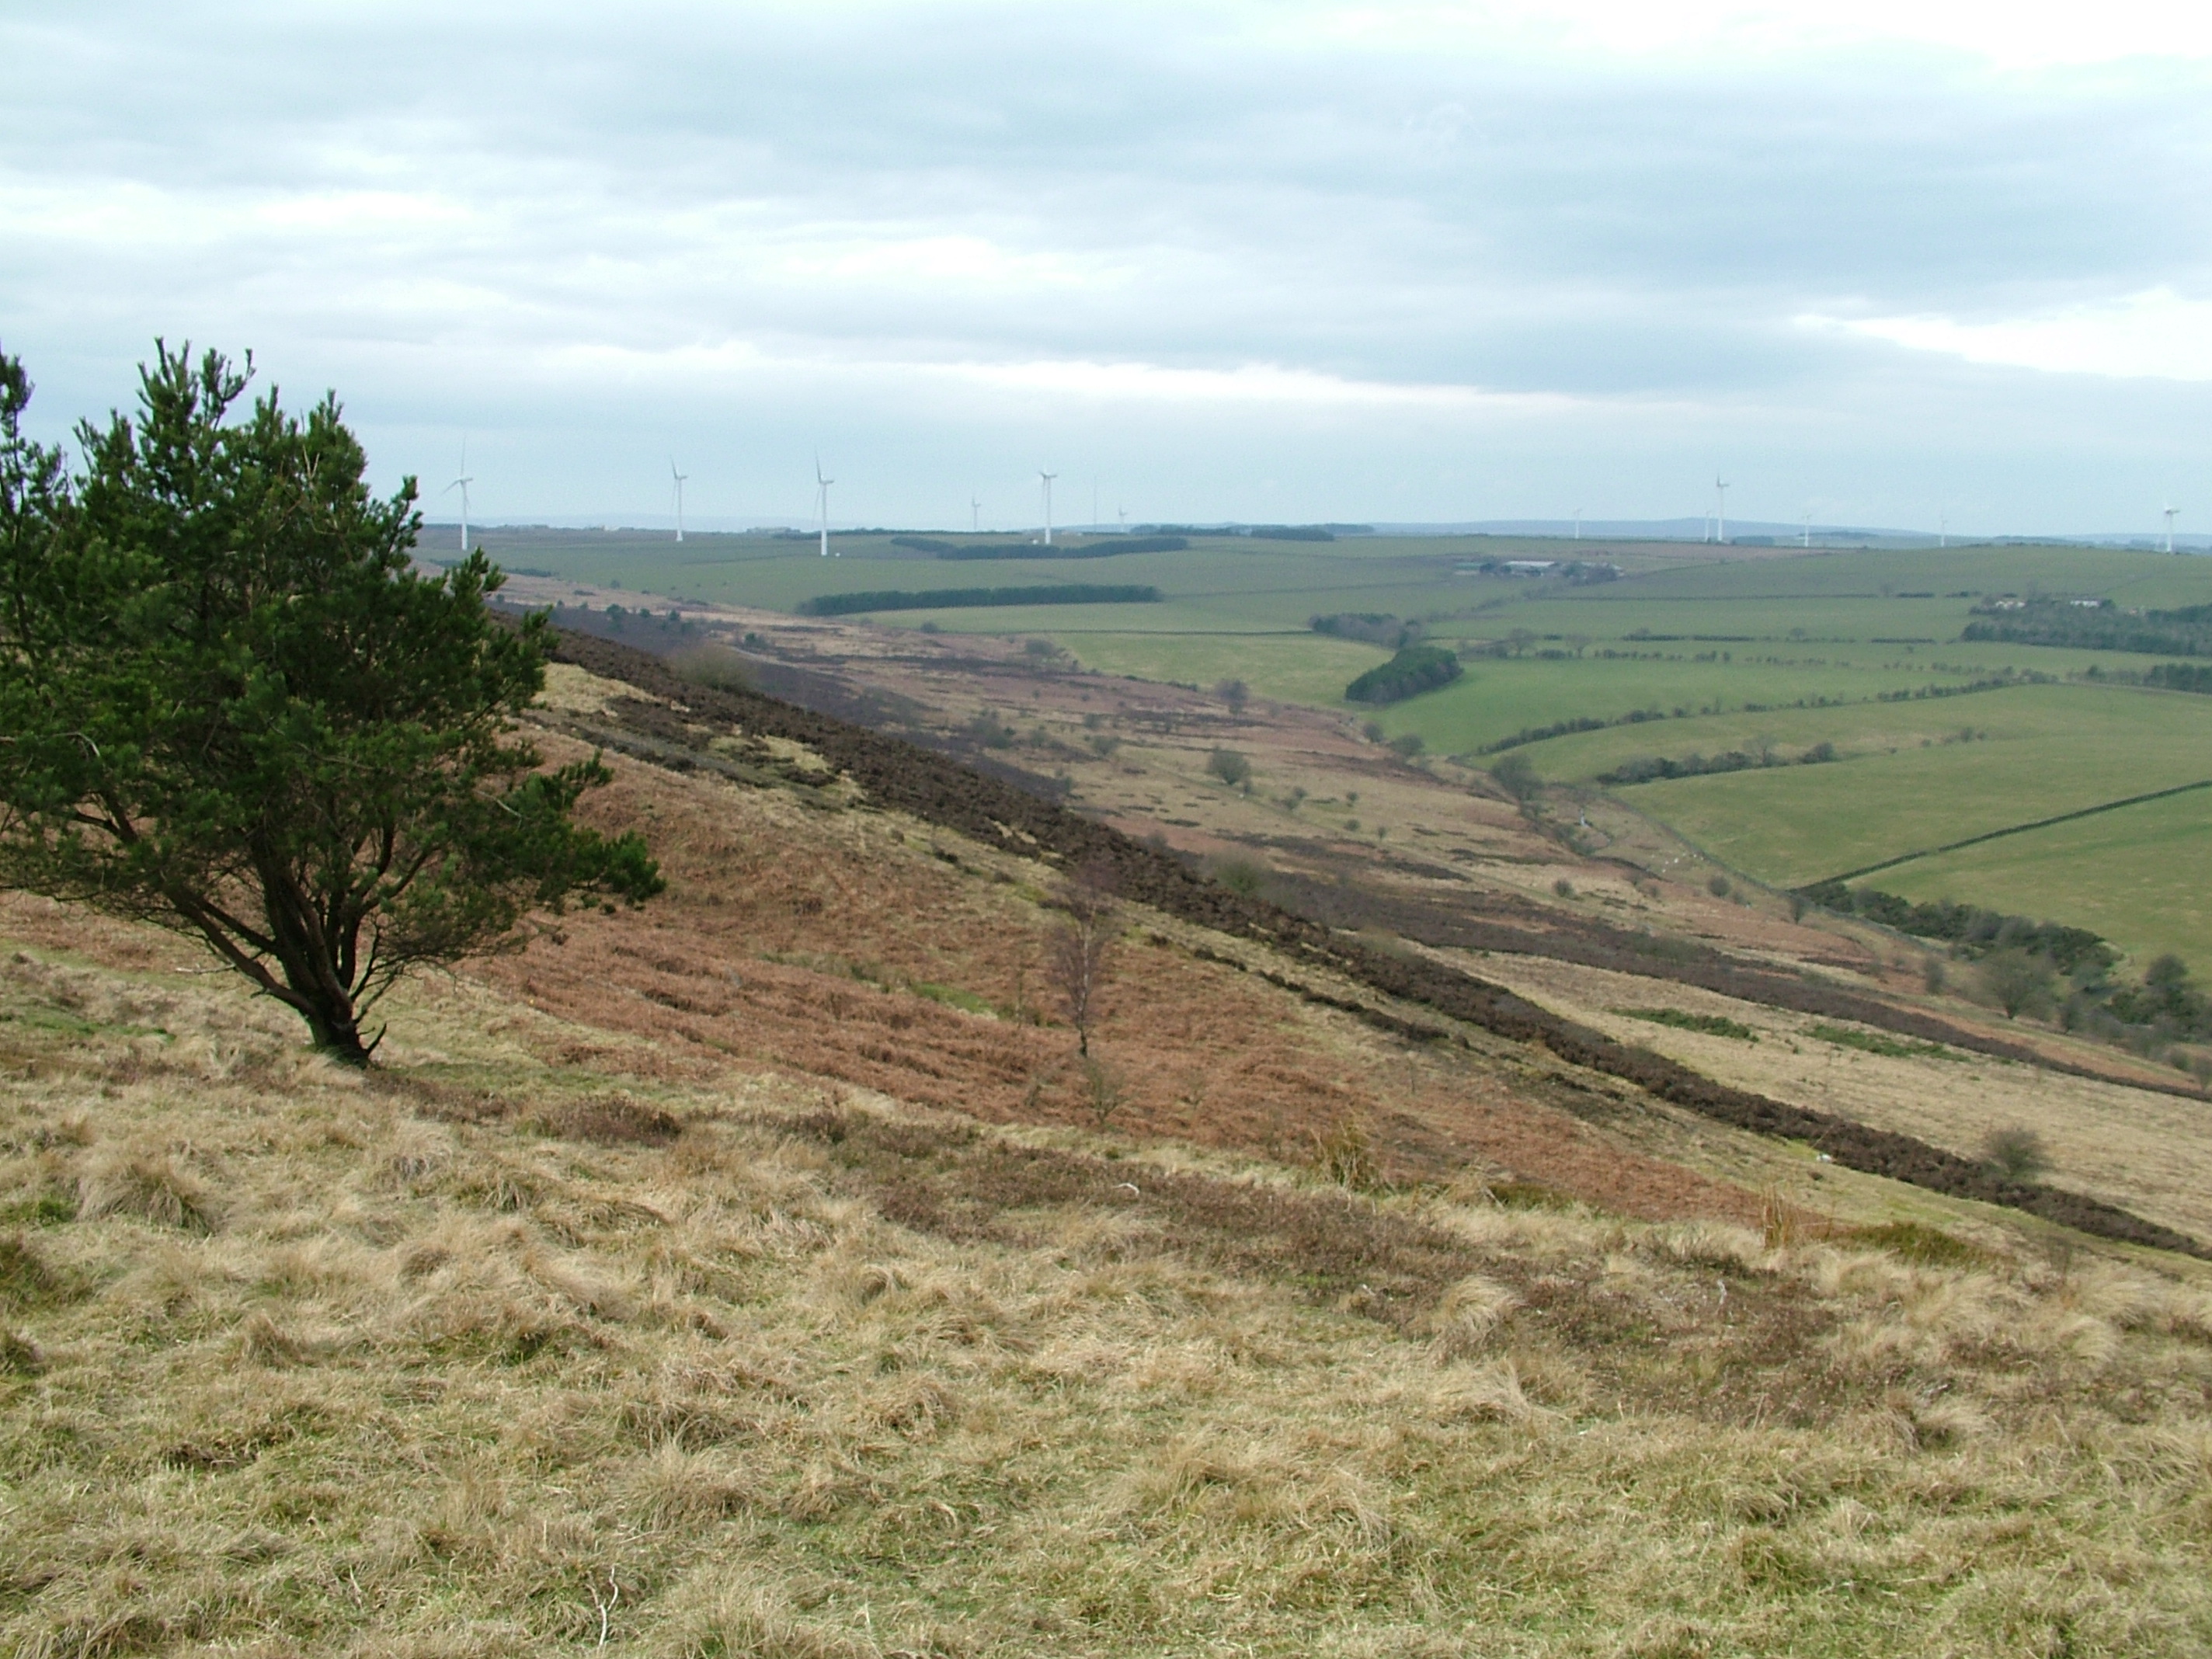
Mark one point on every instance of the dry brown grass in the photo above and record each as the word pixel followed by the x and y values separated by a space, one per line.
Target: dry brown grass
pixel 894 958
pixel 2151 1153
pixel 477 1358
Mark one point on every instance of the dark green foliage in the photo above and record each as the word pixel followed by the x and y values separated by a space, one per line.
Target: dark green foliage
pixel 2104 627
pixel 1517 776
pixel 1719 887
pixel 1369 626
pixel 1654 767
pixel 2181 676
pixel 965 598
pixel 1408 745
pixel 1913 1241
pixel 1710 1025
pixel 1873 1043
pixel 2164 997
pixel 1416 669
pixel 1562 728
pixel 1975 931
pixel 233 708
pixel 1241 875
pixel 1231 768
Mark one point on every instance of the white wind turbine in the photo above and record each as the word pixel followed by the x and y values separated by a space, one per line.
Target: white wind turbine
pixel 1808 540
pixel 974 514
pixel 1720 518
pixel 822 495
pixel 462 485
pixel 680 478
pixel 1046 478
pixel 1943 530
pixel 2171 513
pixel 1578 524
pixel 1124 513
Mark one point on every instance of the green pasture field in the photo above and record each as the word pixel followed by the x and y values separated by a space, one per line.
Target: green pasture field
pixel 2138 876
pixel 2051 749
pixel 1303 667
pixel 2052 715
pixel 1497 699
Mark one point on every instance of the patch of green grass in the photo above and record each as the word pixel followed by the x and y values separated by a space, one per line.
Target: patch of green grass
pixel 1917 1242
pixel 1710 1025
pixel 1531 1196
pixel 953 997
pixel 51 1209
pixel 1847 1036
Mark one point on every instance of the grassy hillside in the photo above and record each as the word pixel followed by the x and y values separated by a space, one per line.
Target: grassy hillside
pixel 565 1329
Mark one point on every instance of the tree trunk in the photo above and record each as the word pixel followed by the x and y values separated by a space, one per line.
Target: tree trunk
pixel 337 1036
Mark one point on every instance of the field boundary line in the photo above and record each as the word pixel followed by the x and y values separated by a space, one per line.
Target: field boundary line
pixel 2017 829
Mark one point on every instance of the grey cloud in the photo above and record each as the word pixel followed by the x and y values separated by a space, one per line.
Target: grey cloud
pixel 787 187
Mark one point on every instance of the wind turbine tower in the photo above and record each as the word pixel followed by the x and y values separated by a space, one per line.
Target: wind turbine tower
pixel 463 482
pixel 1943 530
pixel 1720 518
pixel 679 477
pixel 822 498
pixel 1047 479
pixel 1578 524
pixel 1808 540
pixel 2171 512
pixel 974 514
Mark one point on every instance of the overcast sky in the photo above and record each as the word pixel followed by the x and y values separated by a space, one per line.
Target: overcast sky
pixel 1275 261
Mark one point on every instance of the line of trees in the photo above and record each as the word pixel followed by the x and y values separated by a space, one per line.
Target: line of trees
pixel 2186 632
pixel 966 599
pixel 2026 966
pixel 1652 768
pixel 1369 626
pixel 1973 929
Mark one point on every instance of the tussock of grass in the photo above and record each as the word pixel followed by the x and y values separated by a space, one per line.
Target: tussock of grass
pixel 1915 1241
pixel 822 1376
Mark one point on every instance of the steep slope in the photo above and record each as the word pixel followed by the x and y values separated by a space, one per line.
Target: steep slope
pixel 565 1329
pixel 680 725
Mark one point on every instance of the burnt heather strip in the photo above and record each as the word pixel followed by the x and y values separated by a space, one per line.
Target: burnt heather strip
pixel 898 775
